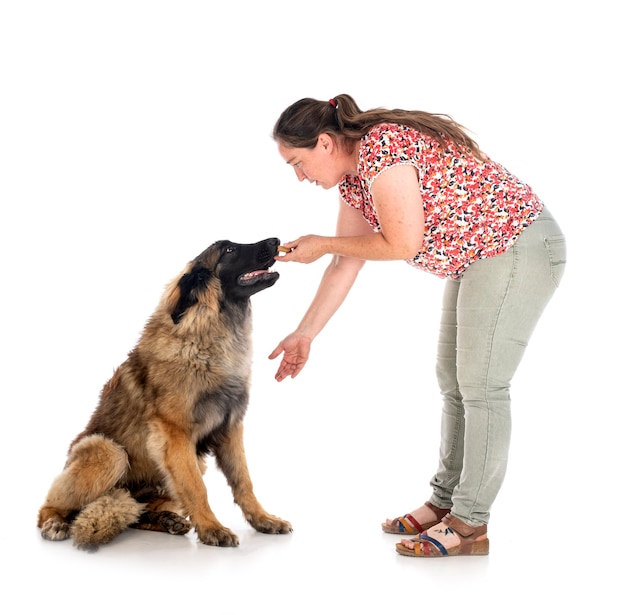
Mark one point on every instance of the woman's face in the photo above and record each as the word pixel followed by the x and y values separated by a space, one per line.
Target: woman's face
pixel 324 165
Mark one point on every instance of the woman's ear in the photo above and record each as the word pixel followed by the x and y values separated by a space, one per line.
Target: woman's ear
pixel 326 142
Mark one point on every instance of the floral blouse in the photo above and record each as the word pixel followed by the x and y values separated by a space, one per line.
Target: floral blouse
pixel 472 209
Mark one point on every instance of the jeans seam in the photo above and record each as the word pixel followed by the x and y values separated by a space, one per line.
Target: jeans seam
pixel 552 257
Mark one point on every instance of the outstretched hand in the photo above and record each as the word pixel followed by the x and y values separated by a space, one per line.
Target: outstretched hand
pixel 305 250
pixel 296 350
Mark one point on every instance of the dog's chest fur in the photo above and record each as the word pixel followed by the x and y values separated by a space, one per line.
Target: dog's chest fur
pixel 216 363
pixel 206 359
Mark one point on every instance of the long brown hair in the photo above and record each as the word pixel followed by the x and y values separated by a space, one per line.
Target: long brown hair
pixel 302 122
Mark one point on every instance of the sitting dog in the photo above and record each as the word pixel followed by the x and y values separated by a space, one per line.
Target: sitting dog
pixel 181 394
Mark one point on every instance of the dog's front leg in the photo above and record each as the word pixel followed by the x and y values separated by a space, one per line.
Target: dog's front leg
pixel 231 459
pixel 175 454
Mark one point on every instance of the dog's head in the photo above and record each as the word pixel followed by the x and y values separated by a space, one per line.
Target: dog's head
pixel 227 271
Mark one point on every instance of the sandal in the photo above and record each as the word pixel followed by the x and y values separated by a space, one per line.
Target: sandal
pixel 408 524
pixel 474 541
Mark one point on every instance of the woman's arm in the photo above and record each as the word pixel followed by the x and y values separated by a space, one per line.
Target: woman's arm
pixel 400 210
pixel 336 282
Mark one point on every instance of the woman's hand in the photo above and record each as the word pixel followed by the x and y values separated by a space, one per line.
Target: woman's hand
pixel 305 250
pixel 296 350
pixel 336 282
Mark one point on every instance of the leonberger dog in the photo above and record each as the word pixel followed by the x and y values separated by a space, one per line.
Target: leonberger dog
pixel 180 395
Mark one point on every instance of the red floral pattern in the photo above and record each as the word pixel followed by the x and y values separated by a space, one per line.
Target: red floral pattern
pixel 472 209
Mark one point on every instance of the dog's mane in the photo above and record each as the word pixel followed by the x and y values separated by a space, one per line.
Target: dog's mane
pixel 195 285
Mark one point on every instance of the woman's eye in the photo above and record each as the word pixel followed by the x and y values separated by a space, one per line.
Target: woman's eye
pixel 297 165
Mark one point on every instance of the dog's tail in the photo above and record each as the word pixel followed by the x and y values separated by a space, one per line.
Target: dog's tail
pixel 105 518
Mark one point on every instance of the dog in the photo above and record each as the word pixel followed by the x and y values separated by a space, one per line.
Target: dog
pixel 180 395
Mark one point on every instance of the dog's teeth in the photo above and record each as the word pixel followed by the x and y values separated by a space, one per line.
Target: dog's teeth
pixel 252 274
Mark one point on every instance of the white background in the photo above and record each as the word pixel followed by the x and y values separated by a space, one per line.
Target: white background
pixel 133 134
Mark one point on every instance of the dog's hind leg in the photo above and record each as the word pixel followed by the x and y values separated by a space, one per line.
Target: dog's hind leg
pixel 231 459
pixel 95 464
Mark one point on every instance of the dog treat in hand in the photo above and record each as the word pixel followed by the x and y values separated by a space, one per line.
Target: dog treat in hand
pixel 283 249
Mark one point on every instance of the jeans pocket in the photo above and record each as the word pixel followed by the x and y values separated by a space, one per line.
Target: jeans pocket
pixel 557 253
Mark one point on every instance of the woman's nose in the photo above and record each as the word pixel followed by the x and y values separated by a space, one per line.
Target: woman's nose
pixel 300 174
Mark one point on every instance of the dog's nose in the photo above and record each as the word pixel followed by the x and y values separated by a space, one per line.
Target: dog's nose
pixel 268 249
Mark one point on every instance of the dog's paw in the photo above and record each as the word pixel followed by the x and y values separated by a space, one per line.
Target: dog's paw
pixel 53 529
pixel 217 537
pixel 269 524
pixel 163 521
pixel 174 524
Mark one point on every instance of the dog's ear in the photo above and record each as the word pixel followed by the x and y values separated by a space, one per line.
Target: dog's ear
pixel 190 286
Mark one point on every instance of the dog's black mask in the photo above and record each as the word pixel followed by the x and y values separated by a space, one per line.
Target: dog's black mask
pixel 242 268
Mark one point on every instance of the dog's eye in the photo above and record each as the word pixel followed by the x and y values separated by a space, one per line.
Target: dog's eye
pixel 229 249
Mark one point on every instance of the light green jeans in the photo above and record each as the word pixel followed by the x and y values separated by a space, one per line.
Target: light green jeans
pixel 487 319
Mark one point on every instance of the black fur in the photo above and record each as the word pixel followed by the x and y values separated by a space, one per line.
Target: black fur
pixel 190 285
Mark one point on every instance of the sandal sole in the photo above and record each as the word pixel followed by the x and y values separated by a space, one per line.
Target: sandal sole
pixel 479 547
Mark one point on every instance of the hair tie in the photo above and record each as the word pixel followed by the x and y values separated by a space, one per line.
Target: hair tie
pixel 333 102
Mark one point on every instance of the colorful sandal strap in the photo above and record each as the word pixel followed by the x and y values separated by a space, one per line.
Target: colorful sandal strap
pixel 425 541
pixel 414 528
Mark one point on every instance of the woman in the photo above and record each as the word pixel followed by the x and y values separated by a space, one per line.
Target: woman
pixel 415 186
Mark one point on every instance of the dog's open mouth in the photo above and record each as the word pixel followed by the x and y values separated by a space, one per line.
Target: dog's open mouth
pixel 253 277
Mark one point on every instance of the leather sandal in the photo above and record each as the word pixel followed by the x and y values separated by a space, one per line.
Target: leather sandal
pixel 474 541
pixel 408 524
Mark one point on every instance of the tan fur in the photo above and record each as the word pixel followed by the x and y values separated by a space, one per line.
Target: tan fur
pixel 181 393
pixel 106 517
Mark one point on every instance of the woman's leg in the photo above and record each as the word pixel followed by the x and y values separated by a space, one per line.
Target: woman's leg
pixel 499 303
pixel 453 414
pixel 452 423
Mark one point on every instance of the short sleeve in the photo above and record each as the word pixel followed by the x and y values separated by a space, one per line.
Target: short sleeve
pixel 385 146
